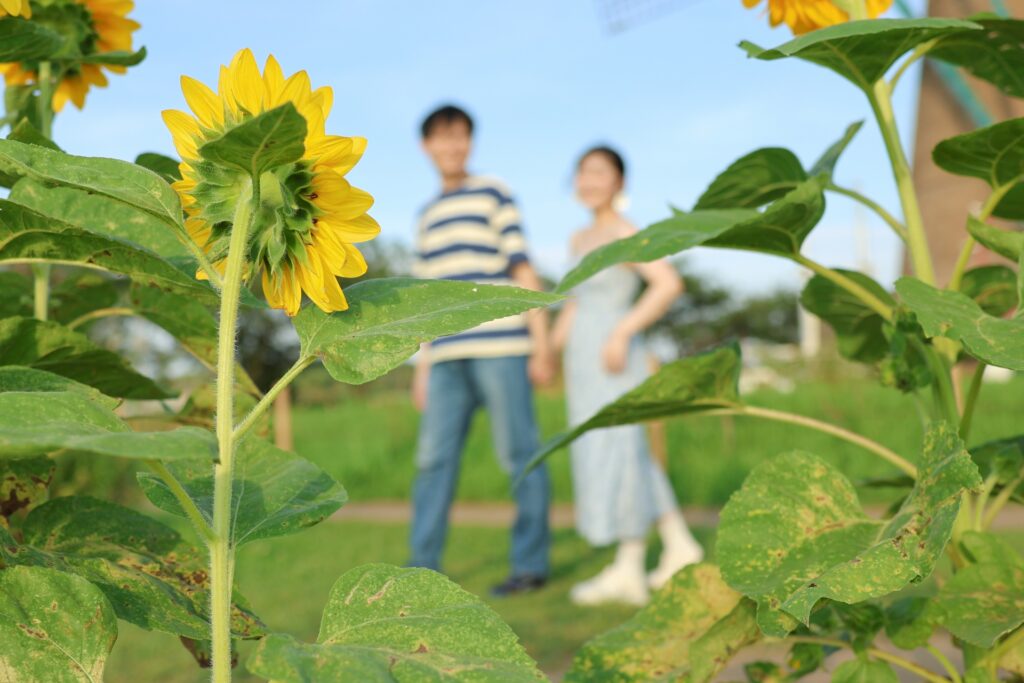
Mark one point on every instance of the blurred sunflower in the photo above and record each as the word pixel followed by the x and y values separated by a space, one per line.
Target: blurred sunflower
pixel 310 216
pixel 15 8
pixel 96 26
pixel 803 16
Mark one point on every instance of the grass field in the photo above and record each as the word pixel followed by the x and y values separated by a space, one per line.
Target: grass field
pixel 368 443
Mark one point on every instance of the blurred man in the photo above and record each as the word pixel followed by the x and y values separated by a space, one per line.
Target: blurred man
pixel 471 231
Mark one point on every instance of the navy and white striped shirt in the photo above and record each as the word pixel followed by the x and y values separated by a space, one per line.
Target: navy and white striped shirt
pixel 474 233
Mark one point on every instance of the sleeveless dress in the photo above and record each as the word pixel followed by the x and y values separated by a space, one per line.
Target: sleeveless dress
pixel 619 490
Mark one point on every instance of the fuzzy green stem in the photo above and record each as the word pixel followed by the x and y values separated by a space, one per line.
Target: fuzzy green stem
pixel 977 379
pixel 221 547
pixel 893 659
pixel 99 313
pixel 44 105
pixel 986 491
pixel 917 241
pixel 919 52
pixel 869 299
pixel 268 399
pixel 184 500
pixel 891 221
pixel 964 259
pixel 943 661
pixel 878 449
pixel 41 290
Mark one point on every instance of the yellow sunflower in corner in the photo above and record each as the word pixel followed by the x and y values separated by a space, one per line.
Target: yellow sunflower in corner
pixel 310 217
pixel 15 8
pixel 97 26
pixel 803 16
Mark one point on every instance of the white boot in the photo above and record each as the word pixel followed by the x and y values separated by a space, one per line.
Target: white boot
pixel 680 549
pixel 621 581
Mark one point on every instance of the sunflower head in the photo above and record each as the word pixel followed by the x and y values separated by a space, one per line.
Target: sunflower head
pixel 309 216
pixel 15 8
pixel 803 16
pixel 89 27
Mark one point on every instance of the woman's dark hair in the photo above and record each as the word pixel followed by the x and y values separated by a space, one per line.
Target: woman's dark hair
pixel 445 115
pixel 608 153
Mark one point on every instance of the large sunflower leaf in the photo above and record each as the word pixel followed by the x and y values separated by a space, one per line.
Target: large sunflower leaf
pixel 274 492
pixel 687 632
pixel 389 318
pixel 21 378
pixel 994 154
pixel 706 381
pixel 1006 243
pixel 795 532
pixel 753 180
pixel 39 422
pixel 943 313
pixel 22 40
pixel 268 140
pixel 863 51
pixel 993 288
pixel 49 346
pixel 150 575
pixel 119 180
pixel 828 160
pixel 401 625
pixel 54 627
pixel 24 483
pixel 859 329
pixel 993 55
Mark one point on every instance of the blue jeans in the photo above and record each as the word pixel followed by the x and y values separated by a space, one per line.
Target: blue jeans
pixel 456 389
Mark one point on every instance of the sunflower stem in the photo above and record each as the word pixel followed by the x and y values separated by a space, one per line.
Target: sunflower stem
pixel 44 108
pixel 837 278
pixel 221 546
pixel 268 399
pixel 41 290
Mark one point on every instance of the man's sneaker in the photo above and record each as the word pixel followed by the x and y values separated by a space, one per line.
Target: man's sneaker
pixel 613 584
pixel 670 563
pixel 514 585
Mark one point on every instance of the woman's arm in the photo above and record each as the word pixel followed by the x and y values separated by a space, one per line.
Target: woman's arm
pixel 563 324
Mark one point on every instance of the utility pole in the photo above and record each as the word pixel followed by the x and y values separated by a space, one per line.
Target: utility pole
pixel 941 114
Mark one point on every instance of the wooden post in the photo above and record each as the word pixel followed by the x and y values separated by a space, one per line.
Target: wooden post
pixel 283 420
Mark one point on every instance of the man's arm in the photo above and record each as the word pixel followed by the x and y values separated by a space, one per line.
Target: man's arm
pixel 541 367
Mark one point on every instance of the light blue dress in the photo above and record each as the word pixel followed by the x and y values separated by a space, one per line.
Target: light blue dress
pixel 619 490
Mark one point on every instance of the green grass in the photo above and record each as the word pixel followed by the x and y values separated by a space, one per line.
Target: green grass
pixel 368 443
pixel 287 580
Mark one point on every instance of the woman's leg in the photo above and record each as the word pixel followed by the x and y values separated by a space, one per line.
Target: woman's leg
pixel 624 580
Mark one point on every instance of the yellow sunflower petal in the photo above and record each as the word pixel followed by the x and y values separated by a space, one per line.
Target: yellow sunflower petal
pixel 273 81
pixel 359 229
pixel 355 264
pixel 203 102
pixel 282 291
pixel 184 130
pixel 246 82
pixel 338 153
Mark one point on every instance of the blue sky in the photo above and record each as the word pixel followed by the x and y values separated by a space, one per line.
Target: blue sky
pixel 544 80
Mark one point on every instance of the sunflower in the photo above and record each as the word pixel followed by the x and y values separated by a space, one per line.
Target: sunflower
pixel 803 16
pixel 97 26
pixel 15 8
pixel 309 216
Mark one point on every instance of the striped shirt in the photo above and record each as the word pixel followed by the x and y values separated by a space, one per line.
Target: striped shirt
pixel 473 233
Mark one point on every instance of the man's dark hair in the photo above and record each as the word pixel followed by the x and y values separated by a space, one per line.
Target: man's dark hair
pixel 446 115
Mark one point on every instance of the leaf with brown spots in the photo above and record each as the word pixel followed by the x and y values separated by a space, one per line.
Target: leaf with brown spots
pixel 24 483
pixel 795 532
pixel 688 632
pixel 54 627
pixel 383 623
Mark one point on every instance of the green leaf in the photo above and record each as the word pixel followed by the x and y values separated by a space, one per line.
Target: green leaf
pixel 706 381
pixel 993 55
pixel 687 632
pixel 38 422
pixel 389 318
pixel 994 154
pixel 667 237
pixel 52 347
pixel 162 165
pixel 24 131
pixel 119 180
pixel 54 627
pixel 760 177
pixel 910 622
pixel 864 670
pixel 984 601
pixel 24 483
pixel 20 378
pixel 993 288
pixel 779 230
pixel 150 575
pixel 996 341
pixel 862 51
pixel 1006 243
pixel 860 334
pixel 795 532
pixel 269 140
pixel 827 163
pixel 274 493
pixel 98 214
pixel 22 40
pixel 1003 458
pixel 386 623
pixel 15 295
pixel 80 293
pixel 69 246
pixel 116 58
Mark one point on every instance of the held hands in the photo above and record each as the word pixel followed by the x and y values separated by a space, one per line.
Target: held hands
pixel 616 351
pixel 541 367
pixel 420 381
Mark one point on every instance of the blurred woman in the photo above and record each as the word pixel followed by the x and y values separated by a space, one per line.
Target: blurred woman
pixel 620 492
